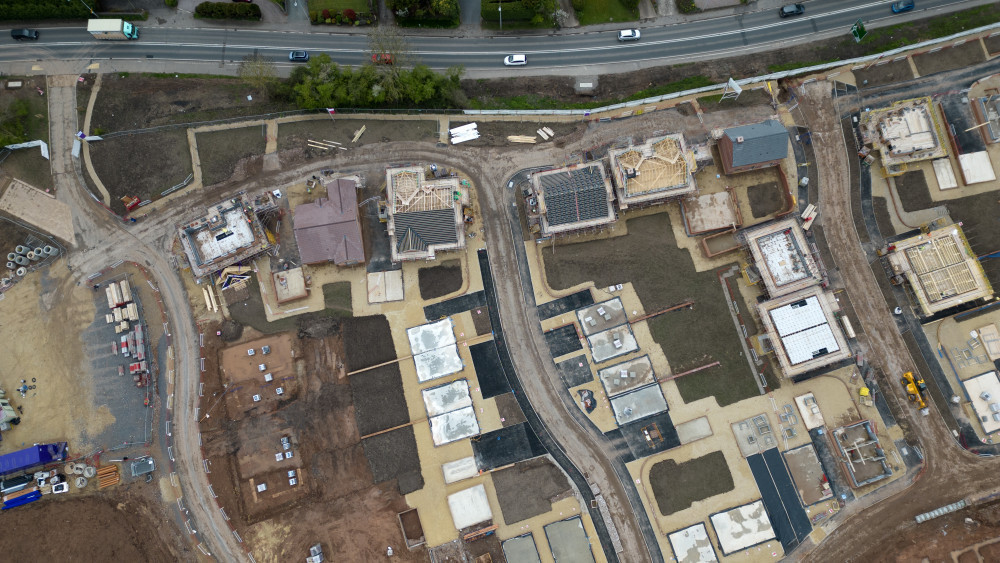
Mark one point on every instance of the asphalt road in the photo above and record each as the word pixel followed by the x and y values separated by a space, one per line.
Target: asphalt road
pixel 550 53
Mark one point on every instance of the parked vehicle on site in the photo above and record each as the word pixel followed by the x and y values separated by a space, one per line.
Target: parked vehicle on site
pixel 112 30
pixel 791 10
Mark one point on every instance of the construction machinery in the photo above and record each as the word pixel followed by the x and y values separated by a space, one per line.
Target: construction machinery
pixel 916 389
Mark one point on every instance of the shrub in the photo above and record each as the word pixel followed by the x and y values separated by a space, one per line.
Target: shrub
pixel 687 6
pixel 578 5
pixel 222 10
pixel 326 14
pixel 42 9
pixel 350 14
pixel 170 3
pixel 632 5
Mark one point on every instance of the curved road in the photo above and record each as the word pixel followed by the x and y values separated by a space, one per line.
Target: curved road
pixel 554 53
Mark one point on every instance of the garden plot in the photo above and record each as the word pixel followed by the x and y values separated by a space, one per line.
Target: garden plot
pixel 677 486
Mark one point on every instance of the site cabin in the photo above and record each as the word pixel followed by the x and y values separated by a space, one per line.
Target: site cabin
pixel 126 291
pixel 112 30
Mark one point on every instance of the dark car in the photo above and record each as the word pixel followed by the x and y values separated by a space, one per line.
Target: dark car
pixel 298 56
pixel 791 10
pixel 22 34
pixel 902 6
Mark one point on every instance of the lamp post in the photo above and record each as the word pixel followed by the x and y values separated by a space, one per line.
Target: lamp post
pixel 499 9
pixel 88 7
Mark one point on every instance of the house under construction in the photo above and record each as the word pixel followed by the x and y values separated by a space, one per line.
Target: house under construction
pixel 229 232
pixel 655 171
pixel 571 199
pixel 908 131
pixel 782 257
pixel 941 269
pixel 424 215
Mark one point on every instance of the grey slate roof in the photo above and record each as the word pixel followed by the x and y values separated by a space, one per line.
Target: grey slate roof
pixel 328 229
pixel 426 228
pixel 762 142
pixel 576 196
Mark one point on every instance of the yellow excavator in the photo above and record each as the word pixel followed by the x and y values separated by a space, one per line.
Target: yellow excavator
pixel 916 389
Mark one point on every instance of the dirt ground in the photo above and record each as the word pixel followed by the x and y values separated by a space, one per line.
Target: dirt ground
pixel 884 73
pixel 438 281
pixel 968 53
pixel 765 199
pixel 529 488
pixel 133 101
pixel 748 98
pixel 689 337
pixel 28 165
pixel 678 485
pixel 11 234
pixel 51 314
pixel 142 165
pixel 125 525
pixel 230 154
pixel 882 216
pixel 950 536
pixel 37 120
pixel 334 467
pixel 992 44
pixel 293 137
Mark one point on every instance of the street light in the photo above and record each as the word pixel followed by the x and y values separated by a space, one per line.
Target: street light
pixel 88 7
pixel 499 9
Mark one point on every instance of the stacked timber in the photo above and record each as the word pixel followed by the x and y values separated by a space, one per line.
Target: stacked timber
pixel 521 139
pixel 108 476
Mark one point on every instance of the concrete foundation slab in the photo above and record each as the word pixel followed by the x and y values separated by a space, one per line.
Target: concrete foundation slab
pixel 694 430
pixel 568 541
pixel 469 507
pixel 612 343
pixel 742 527
pixel 447 398
pixel 521 548
pixel 638 404
pixel 692 545
pixel 455 471
pixel 455 425
pixel 626 376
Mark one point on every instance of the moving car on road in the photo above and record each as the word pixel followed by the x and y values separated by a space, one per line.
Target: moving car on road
pixel 382 59
pixel 515 60
pixel 902 6
pixel 298 56
pixel 22 34
pixel 629 35
pixel 791 10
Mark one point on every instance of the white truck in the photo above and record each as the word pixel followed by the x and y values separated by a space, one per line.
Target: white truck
pixel 112 30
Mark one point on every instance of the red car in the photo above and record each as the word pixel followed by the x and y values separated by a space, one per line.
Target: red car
pixel 382 59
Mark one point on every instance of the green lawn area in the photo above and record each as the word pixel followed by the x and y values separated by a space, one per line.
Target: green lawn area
pixel 664 275
pixel 337 297
pixel 359 6
pixel 604 11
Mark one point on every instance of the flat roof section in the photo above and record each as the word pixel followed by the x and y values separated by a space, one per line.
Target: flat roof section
pixel 626 376
pixel 446 398
pixel 782 256
pixel 692 544
pixel 521 549
pixel 612 343
pixel 638 404
pixel 742 527
pixel 454 425
pixel 984 394
pixel 219 240
pixel 568 541
pixel 469 507
pixel 803 331
pixel 602 316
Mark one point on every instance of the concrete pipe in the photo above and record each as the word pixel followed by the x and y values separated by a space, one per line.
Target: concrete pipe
pixel 21 249
pixel 78 469
pixel 38 254
pixel 21 260
pixel 80 482
pixel 31 256
pixel 50 250
pixel 20 272
pixel 68 470
pixel 11 256
pixel 11 265
pixel 4 281
pixel 89 472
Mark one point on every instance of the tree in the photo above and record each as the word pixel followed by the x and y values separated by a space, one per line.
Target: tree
pixel 257 70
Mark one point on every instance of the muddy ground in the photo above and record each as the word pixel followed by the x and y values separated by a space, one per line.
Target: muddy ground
pixel 438 281
pixel 949 58
pixel 495 133
pixel 28 165
pixel 677 486
pixel 334 465
pixel 232 154
pixel 122 525
pixel 141 165
pixel 765 199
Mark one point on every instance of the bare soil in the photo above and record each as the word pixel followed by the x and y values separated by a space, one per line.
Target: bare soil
pixel 438 281
pixel 293 137
pixel 142 165
pixel 748 98
pixel 765 199
pixel 690 337
pixel 366 342
pixel 481 320
pixel 883 217
pixel 11 235
pixel 950 58
pixel 677 486
pixel 882 73
pixel 495 133
pixel 231 154
pixel 529 488
pixel 132 101
pixel 121 526
pixel 992 44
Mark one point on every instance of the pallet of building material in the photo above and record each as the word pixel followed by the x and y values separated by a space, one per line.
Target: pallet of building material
pixel 359 133
pixel 108 476
pixel 542 134
pixel 521 139
pixel 549 131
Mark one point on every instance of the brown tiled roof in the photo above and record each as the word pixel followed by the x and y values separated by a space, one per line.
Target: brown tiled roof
pixel 327 230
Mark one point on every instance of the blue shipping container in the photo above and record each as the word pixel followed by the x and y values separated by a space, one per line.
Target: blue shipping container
pixel 39 454
pixel 22 500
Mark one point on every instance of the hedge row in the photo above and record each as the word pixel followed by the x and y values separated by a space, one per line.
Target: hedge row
pixel 512 11
pixel 222 10
pixel 45 9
